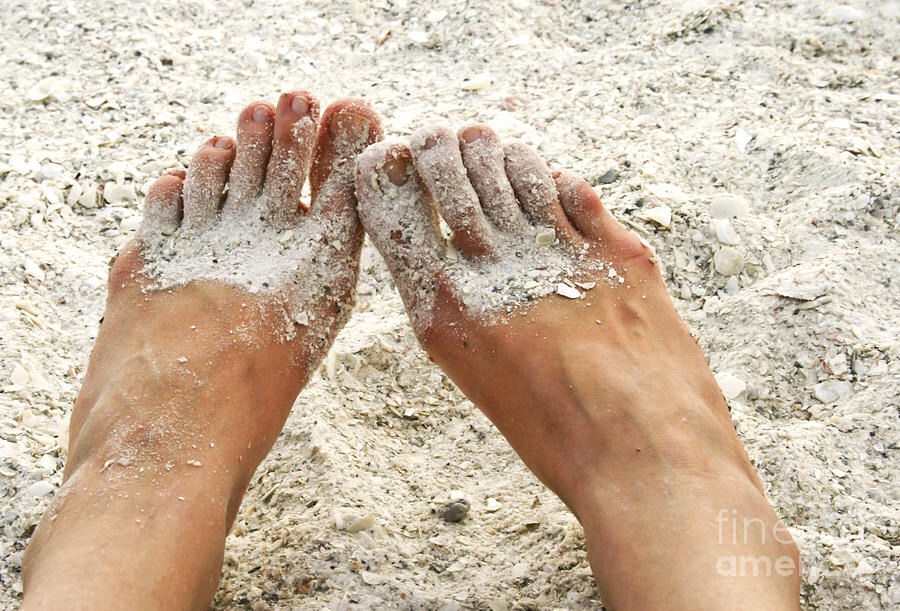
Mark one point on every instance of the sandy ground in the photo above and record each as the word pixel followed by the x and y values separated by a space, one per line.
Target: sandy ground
pixel 754 144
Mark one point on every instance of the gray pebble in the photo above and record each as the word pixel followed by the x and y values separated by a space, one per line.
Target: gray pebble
pixel 610 176
pixel 454 511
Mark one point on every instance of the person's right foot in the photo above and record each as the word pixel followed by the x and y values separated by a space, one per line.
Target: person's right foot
pixel 217 315
pixel 555 321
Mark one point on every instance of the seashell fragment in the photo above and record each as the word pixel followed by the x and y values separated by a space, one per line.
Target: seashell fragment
pixel 568 291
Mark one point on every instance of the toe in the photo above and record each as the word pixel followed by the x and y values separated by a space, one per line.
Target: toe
pixel 256 126
pixel 583 207
pixel 439 163
pixel 482 156
pixel 204 185
pixel 535 189
pixel 163 207
pixel 397 215
pixel 296 118
pixel 347 128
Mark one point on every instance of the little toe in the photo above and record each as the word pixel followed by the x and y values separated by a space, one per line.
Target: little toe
pixel 204 185
pixel 347 128
pixel 533 184
pixel 588 214
pixel 396 213
pixel 163 206
pixel 438 161
pixel 256 125
pixel 483 158
pixel 296 118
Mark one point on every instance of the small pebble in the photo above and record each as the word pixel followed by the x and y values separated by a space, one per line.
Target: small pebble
pixel 731 385
pixel 115 193
pixel 357 524
pixel 846 14
pixel 51 171
pixel 742 138
pixel 418 36
pixel 672 193
pixel 545 235
pixel 89 198
pixel 728 206
pixel 39 489
pixel 370 578
pixel 725 233
pixel 45 89
pixel 830 391
pixel 661 215
pixel 477 83
pixel 568 291
pixel 608 177
pixel 33 270
pixel 728 261
pixel 20 376
pixel 47 462
pixel 520 570
pixel 130 224
pixel 166 117
pixel 454 511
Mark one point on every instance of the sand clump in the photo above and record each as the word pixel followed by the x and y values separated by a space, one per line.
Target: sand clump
pixel 666 108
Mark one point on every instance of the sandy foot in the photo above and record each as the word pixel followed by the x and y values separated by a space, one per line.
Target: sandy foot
pixel 554 320
pixel 216 316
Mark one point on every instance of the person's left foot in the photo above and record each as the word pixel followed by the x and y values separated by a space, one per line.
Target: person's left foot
pixel 217 315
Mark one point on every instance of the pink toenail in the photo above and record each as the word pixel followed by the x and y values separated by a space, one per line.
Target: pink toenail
pixel 471 134
pixel 430 142
pixel 223 143
pixel 300 105
pixel 260 114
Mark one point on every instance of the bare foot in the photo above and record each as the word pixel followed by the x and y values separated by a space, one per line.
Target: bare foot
pixel 216 317
pixel 555 321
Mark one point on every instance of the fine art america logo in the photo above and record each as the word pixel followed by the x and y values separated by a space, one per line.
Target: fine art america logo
pixel 752 533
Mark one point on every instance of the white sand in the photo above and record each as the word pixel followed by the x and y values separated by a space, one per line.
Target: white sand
pixel 791 107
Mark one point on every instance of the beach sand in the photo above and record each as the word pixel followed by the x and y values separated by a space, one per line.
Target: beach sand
pixel 755 145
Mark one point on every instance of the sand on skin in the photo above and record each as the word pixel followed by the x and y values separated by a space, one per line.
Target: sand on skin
pixel 787 109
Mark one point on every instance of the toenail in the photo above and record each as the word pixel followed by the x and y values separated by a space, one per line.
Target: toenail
pixel 300 105
pixel 260 114
pixel 471 134
pixel 396 170
pixel 430 142
pixel 223 143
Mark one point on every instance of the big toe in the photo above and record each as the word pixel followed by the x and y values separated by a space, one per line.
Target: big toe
pixel 347 128
pixel 395 209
